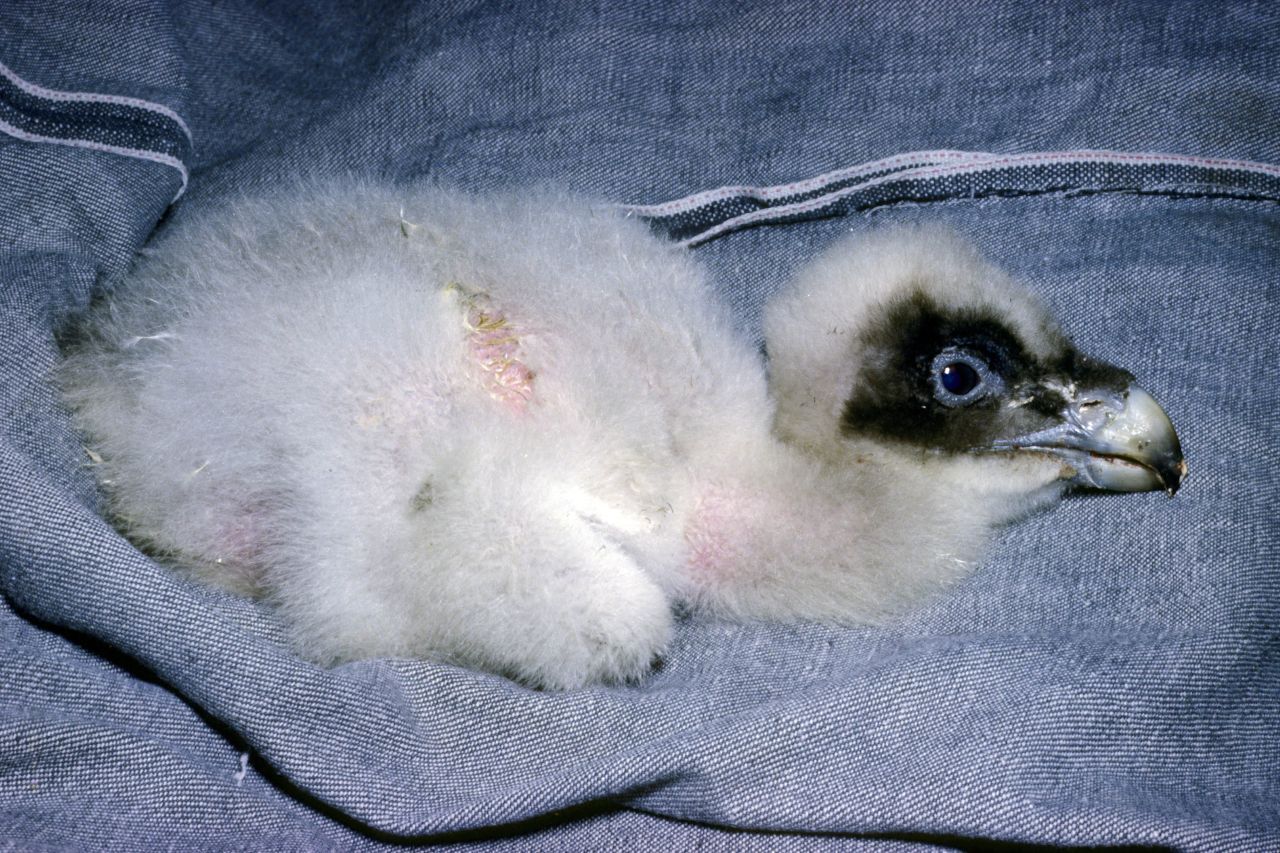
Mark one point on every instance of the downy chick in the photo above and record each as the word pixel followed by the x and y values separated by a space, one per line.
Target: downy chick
pixel 512 432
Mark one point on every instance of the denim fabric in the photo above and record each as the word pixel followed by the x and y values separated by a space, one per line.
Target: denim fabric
pixel 1111 676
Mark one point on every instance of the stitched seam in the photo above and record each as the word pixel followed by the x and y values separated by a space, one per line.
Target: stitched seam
pixel 900 162
pixel 118 119
pixel 92 98
pixel 929 168
pixel 153 156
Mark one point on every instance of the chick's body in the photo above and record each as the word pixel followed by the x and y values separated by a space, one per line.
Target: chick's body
pixel 411 419
pixel 512 432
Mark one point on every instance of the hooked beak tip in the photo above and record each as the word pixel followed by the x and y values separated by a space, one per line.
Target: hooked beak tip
pixel 1114 442
pixel 1174 482
pixel 1135 448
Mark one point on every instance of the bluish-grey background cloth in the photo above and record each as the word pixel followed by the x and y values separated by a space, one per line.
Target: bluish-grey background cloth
pixel 1111 676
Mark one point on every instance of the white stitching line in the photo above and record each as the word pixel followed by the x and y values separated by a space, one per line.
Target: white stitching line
pixel 154 156
pixel 995 164
pixel 1150 158
pixel 912 159
pixel 93 97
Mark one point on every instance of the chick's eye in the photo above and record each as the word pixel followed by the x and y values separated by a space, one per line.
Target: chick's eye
pixel 959 378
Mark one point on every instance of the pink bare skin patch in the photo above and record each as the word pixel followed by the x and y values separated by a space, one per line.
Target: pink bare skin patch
pixel 713 533
pixel 240 551
pixel 736 526
pixel 493 343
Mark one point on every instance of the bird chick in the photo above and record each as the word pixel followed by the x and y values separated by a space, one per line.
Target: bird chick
pixel 512 432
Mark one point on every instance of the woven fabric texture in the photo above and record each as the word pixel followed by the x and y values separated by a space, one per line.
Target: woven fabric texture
pixel 1111 676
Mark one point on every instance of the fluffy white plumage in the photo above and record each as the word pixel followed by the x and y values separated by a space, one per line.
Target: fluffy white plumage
pixel 512 432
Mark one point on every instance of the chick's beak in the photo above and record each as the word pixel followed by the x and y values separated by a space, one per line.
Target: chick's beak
pixel 1114 441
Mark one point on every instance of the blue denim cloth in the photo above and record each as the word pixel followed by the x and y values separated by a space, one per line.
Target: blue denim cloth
pixel 1111 676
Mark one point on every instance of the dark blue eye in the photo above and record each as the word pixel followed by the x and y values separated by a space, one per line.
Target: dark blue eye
pixel 959 378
